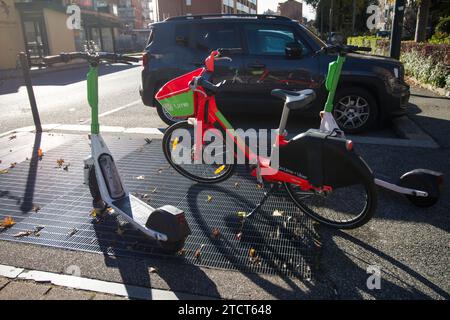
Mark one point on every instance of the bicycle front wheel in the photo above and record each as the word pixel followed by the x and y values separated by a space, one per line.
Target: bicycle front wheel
pixel 346 207
pixel 179 149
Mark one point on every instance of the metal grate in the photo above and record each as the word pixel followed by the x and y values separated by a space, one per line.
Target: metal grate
pixel 57 200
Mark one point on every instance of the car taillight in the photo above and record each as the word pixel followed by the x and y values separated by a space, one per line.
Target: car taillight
pixel 144 59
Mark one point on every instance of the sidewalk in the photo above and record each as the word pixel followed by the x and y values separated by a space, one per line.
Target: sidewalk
pixel 16 289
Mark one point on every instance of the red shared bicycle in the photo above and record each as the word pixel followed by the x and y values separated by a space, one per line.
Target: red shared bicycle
pixel 321 172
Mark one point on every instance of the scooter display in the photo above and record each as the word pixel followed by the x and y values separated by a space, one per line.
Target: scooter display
pixel 167 224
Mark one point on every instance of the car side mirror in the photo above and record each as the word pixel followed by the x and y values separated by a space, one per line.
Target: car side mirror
pixel 293 50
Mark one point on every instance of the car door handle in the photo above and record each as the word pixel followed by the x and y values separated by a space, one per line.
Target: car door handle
pixel 256 65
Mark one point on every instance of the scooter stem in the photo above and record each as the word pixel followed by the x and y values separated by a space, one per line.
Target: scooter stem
pixel 331 83
pixel 92 95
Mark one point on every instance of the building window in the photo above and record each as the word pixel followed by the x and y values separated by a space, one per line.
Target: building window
pixel 188 2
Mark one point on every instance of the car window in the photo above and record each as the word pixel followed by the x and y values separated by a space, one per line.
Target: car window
pixel 269 40
pixel 208 37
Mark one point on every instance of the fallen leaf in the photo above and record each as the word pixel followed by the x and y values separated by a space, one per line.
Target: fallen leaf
pixel 22 234
pixel 237 185
pixel 154 190
pixel 60 162
pixel 219 169
pixel 74 230
pixel 120 231
pixel 40 153
pixel 66 167
pixel 13 165
pixel 252 252
pixel 242 214
pixel 3 171
pixel 182 252
pixel 259 186
pixel 277 213
pixel 12 137
pixel 8 222
pixel 110 210
pixel 148 140
pixel 159 171
pixel 140 178
pixel 36 208
pixel 209 198
pixel 153 270
pixel 215 233
pixel 239 236
pixel 37 230
pixel 255 260
pixel 93 213
pixel 198 252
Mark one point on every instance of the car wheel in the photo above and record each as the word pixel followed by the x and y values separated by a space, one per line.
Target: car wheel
pixel 355 110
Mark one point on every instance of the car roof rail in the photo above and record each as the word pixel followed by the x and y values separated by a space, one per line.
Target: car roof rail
pixel 238 15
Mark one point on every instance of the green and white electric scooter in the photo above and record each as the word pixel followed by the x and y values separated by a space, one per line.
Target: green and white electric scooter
pixel 166 224
pixel 421 186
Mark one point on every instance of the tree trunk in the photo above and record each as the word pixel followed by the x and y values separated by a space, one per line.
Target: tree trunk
pixel 422 21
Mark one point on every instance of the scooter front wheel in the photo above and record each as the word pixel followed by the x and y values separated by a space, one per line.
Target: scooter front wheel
pixel 346 207
pixel 179 149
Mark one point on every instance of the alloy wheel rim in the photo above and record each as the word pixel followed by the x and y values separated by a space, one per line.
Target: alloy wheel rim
pixel 352 112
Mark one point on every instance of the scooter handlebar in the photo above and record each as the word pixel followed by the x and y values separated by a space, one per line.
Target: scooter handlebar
pixel 99 56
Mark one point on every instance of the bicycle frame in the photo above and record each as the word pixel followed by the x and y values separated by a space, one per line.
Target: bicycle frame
pixel 208 116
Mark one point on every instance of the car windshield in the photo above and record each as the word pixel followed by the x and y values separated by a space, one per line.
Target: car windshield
pixel 313 36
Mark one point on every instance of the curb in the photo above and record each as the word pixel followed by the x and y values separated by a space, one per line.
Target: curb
pixel 408 129
pixel 100 286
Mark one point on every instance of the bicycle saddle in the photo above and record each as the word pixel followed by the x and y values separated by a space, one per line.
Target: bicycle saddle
pixel 295 100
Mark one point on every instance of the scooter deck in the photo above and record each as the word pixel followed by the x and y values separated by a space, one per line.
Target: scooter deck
pixel 134 208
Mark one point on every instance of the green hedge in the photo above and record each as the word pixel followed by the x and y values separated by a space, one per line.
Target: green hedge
pixel 427 62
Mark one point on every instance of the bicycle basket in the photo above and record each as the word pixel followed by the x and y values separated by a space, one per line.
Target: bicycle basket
pixel 176 97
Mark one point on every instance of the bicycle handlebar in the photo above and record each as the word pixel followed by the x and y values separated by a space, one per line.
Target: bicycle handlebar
pixel 97 56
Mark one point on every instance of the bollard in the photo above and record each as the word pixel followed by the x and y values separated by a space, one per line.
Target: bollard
pixel 26 77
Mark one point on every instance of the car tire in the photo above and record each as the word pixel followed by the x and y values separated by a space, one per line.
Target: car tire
pixel 355 110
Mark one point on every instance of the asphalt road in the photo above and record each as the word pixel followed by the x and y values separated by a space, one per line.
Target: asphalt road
pixel 61 98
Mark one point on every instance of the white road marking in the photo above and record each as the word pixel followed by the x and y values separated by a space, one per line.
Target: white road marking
pixel 114 110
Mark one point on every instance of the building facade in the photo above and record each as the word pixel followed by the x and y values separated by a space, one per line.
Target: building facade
pixel 163 9
pixel 43 27
pixel 291 9
pixel 131 13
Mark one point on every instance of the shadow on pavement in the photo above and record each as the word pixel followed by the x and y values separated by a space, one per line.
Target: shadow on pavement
pixel 136 271
pixel 350 280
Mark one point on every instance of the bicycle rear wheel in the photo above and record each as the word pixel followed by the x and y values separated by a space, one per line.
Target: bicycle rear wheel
pixel 179 148
pixel 346 207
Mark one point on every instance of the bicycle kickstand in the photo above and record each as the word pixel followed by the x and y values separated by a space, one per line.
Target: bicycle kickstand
pixel 273 186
